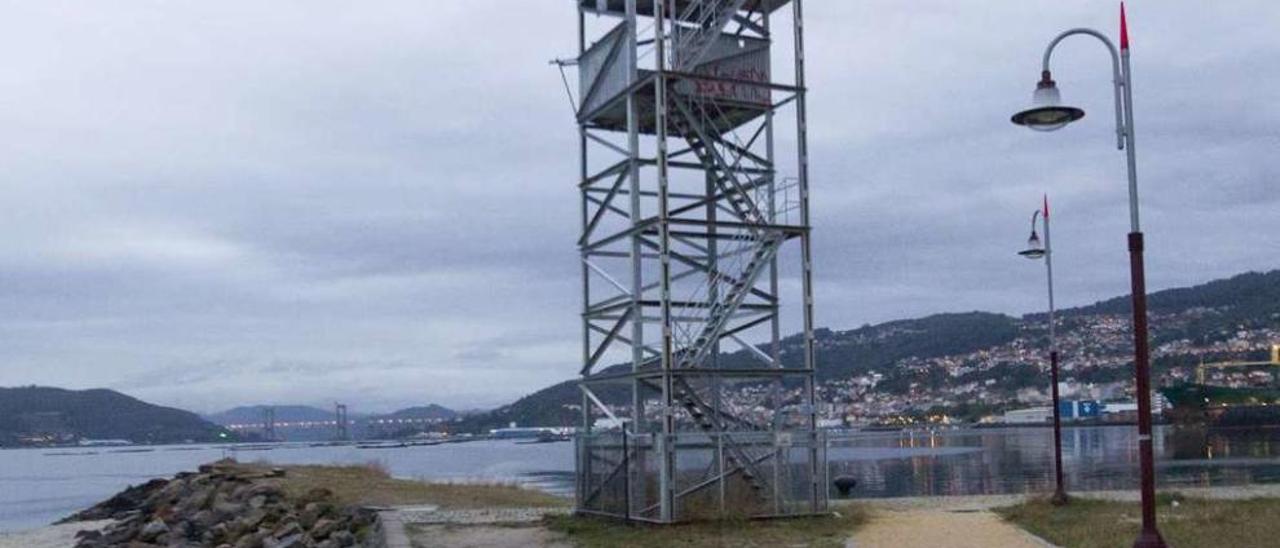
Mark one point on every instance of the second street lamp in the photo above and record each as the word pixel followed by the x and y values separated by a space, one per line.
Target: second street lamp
pixel 1048 115
pixel 1036 251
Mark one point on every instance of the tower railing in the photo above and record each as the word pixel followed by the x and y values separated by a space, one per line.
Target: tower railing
pixel 708 19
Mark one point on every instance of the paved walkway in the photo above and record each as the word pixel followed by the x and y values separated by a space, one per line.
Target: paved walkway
pixel 479 516
pixel 931 528
pixel 429 527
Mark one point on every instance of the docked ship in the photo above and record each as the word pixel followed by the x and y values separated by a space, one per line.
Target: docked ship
pixel 1227 405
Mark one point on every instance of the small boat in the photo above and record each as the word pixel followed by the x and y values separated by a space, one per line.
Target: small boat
pixel 383 445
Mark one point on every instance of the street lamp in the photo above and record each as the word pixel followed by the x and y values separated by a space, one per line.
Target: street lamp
pixel 1035 251
pixel 1050 115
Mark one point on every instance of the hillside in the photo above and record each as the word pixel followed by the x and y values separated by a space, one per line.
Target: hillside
pixel 979 357
pixel 1251 299
pixel 66 415
pixel 428 412
pixel 841 354
pixel 551 406
pixel 253 414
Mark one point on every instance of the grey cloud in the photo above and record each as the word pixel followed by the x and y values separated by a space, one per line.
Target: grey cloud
pixel 234 202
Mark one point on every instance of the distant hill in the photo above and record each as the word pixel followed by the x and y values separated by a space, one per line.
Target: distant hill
pixel 251 414
pixel 550 406
pixel 1247 300
pixel 1250 300
pixel 840 354
pixel 95 414
pixel 1253 293
pixel 429 411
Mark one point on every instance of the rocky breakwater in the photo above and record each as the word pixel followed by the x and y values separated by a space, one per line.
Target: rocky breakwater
pixel 227 505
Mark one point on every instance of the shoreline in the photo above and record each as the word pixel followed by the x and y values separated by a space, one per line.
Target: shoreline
pixel 262 491
pixel 258 504
pixel 50 536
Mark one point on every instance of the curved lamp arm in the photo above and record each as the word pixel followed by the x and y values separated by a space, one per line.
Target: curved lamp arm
pixel 1117 78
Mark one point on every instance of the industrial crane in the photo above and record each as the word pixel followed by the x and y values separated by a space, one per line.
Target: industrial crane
pixel 1274 361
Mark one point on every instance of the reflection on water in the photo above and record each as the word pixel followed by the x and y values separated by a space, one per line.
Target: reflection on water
pixel 38 486
pixel 1020 460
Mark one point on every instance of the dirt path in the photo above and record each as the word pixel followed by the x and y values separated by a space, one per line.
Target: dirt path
pixel 484 536
pixel 931 528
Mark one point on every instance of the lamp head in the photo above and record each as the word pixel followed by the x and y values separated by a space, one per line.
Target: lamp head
pixel 1034 250
pixel 1047 112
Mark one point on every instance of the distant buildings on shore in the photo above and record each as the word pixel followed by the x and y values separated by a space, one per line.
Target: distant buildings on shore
pixel 1077 411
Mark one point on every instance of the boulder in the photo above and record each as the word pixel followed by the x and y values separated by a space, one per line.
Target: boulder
pixel 251 540
pixel 131 499
pixel 311 513
pixel 291 541
pixel 265 489
pixel 323 528
pixel 287 529
pixel 204 519
pixel 343 538
pixel 153 529
pixel 252 519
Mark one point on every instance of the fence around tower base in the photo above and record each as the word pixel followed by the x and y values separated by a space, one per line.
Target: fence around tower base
pixel 620 474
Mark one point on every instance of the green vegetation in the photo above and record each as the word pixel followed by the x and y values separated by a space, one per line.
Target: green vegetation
pixel 371 485
pixel 815 531
pixel 1189 523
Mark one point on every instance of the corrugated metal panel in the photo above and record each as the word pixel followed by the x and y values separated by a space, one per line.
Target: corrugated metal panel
pixel 602 70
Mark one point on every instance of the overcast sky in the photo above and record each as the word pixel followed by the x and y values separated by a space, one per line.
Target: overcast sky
pixel 208 204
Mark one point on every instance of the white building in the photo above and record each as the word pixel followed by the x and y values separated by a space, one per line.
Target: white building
pixel 1031 415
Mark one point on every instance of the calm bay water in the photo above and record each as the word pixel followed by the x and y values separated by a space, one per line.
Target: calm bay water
pixel 1020 460
pixel 38 486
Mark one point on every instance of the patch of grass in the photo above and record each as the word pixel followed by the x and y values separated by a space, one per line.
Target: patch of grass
pixel 1189 523
pixel 371 485
pixel 589 532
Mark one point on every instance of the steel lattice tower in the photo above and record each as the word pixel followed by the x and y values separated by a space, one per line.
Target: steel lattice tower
pixel 692 224
pixel 340 422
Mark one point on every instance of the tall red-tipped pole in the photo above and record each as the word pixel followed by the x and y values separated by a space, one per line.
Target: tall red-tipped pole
pixel 1124 29
pixel 1060 492
pixel 1150 536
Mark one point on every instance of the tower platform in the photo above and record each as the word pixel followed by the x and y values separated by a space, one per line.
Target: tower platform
pixel 645 7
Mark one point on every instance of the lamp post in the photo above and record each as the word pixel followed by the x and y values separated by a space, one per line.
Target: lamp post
pixel 1035 251
pixel 1049 114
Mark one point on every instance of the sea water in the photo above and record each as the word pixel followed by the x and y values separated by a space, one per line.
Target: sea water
pixel 38 486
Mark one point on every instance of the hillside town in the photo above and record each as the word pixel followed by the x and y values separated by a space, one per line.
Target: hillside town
pixel 1096 357
pixel 1009 382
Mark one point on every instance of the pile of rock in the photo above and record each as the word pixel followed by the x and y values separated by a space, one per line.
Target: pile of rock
pixel 224 505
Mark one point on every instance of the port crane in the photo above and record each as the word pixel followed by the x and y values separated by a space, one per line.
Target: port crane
pixel 1204 367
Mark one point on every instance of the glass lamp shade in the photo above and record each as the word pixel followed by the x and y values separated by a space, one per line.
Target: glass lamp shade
pixel 1034 250
pixel 1047 112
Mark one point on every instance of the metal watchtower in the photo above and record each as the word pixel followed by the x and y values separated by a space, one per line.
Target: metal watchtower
pixel 695 220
